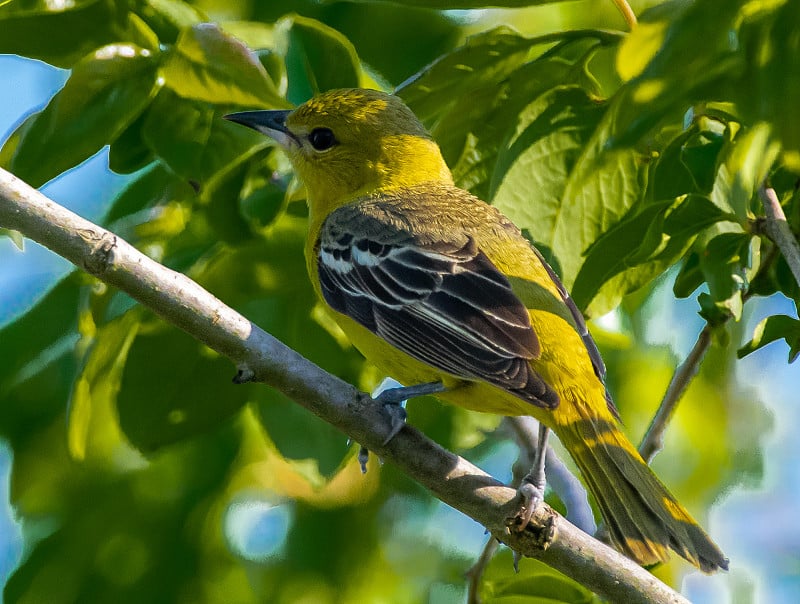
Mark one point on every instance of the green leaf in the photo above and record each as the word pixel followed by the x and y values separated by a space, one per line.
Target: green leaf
pixel 726 264
pixel 193 140
pixel 92 428
pixel 769 87
pixel 154 185
pixel 458 4
pixel 749 161
pixel 37 352
pixel 61 33
pixel 555 179
pixel 318 58
pixel 16 238
pixel 174 388
pixel 169 17
pixel 640 247
pixel 485 58
pixel 208 65
pixel 771 329
pixel 129 152
pixel 105 93
pixel 534 583
pixel 697 53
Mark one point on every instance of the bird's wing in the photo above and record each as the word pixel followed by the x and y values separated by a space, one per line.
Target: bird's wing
pixel 442 302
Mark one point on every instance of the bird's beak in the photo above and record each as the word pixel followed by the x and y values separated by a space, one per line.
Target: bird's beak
pixel 270 123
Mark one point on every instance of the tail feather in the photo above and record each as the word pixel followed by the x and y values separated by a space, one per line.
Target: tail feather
pixel 643 518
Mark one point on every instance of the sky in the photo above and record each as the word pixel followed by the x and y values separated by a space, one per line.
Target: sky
pixel 758 529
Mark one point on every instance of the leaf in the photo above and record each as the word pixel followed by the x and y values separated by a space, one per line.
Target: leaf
pixel 535 583
pixel 37 351
pixel 640 247
pixel 769 87
pixel 318 58
pixel 771 329
pixel 173 388
pixel 485 58
pixel 206 64
pixel 459 4
pixel 555 179
pixel 169 17
pixel 726 264
pixel 61 33
pixel 697 53
pixel 104 94
pixel 129 152
pixel 92 427
pixel 193 140
pixel 15 236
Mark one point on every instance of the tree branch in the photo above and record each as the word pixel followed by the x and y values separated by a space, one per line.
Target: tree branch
pixel 653 440
pixel 180 301
pixel 778 229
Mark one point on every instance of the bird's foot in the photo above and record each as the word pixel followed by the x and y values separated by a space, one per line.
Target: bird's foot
pixel 531 496
pixel 393 401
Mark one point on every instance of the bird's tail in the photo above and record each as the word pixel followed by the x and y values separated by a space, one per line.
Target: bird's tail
pixel 643 518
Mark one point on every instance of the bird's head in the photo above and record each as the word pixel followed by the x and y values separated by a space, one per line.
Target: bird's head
pixel 347 143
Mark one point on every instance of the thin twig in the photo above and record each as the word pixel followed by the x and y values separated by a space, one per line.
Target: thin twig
pixel 627 12
pixel 653 440
pixel 475 573
pixel 259 356
pixel 779 231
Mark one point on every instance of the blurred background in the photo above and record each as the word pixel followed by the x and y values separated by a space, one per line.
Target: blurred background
pixel 732 449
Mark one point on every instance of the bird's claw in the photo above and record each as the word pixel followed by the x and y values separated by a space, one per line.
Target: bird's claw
pixel 392 400
pixel 531 497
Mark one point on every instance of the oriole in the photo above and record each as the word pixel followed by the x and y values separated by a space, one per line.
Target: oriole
pixel 432 285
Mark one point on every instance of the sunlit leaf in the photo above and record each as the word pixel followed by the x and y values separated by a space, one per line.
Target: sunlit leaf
pixel 640 247
pixel 726 263
pixel 60 33
pixel 206 64
pixel 555 179
pixel 169 17
pixel 771 329
pixel 318 58
pixel 92 425
pixel 698 50
pixel 104 94
pixel 536 583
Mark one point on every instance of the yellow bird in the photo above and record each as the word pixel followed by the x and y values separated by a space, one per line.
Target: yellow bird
pixel 438 288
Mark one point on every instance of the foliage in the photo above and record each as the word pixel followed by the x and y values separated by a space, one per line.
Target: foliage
pixel 620 156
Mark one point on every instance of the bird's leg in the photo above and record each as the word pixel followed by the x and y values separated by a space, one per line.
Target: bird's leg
pixel 392 400
pixel 531 489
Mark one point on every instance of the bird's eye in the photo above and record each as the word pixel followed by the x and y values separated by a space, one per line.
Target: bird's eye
pixel 322 139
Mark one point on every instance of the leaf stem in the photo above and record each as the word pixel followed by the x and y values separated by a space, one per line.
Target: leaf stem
pixel 627 12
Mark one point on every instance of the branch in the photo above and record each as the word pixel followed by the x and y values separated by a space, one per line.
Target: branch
pixel 779 231
pixel 653 440
pixel 455 481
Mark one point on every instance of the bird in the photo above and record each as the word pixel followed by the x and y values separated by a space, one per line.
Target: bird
pixel 443 293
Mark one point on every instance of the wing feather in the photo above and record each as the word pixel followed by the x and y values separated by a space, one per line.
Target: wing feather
pixel 443 302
